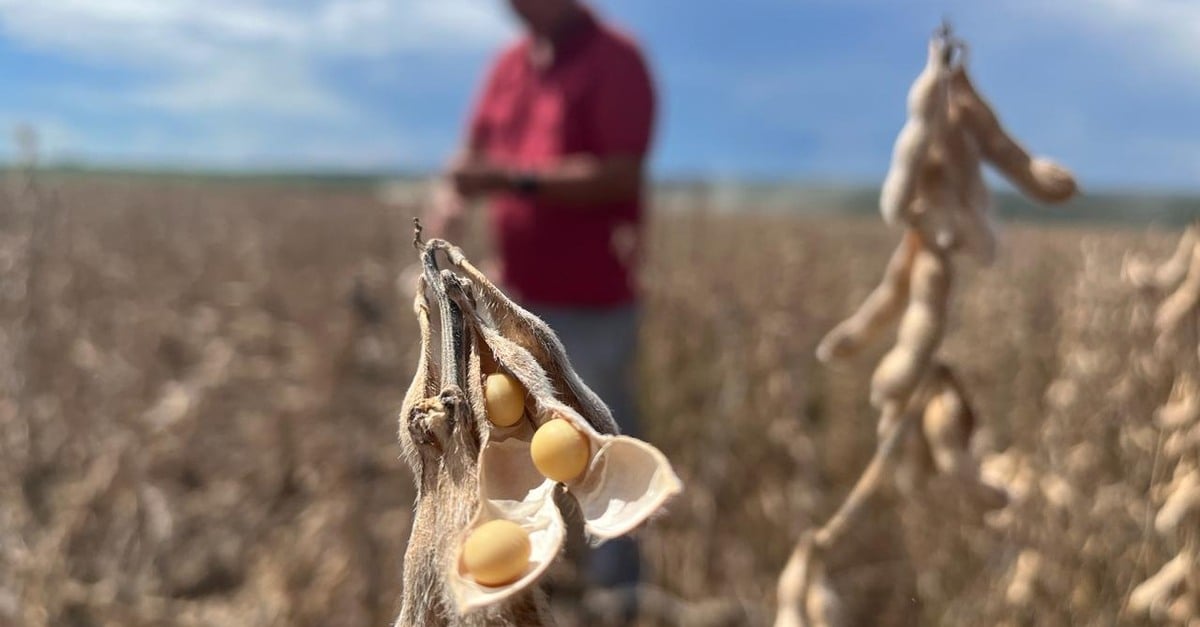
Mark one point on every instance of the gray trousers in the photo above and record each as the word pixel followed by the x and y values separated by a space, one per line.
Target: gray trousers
pixel 602 347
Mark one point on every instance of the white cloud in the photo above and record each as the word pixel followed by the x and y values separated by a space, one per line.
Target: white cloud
pixel 1159 34
pixel 374 27
pixel 255 85
pixel 259 56
pixel 154 31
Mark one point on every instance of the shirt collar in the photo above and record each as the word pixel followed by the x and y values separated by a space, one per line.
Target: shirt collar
pixel 569 42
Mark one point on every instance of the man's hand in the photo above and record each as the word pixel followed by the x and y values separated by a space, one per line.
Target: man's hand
pixel 475 178
pixel 575 181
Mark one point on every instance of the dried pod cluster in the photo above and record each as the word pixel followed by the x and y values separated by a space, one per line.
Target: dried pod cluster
pixel 935 183
pixel 929 436
pixel 935 189
pixel 1170 593
pixel 1170 274
pixel 495 424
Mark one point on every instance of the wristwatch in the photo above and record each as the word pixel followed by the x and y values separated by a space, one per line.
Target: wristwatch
pixel 525 183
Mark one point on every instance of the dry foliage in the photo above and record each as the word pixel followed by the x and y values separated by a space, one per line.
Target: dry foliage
pixel 1173 593
pixel 935 191
pixel 204 432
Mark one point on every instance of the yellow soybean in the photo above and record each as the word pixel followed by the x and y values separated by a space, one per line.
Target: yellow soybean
pixel 560 452
pixel 504 399
pixel 497 553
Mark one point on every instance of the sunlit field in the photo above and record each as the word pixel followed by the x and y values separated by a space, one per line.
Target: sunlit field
pixel 201 380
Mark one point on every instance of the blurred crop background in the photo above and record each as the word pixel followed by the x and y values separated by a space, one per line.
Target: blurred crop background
pixel 203 346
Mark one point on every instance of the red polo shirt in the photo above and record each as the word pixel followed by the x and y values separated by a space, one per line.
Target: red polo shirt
pixel 595 99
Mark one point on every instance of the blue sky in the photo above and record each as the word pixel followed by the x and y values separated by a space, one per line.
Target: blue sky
pixel 803 89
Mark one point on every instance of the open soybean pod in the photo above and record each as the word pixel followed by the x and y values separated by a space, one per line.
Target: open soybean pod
pixel 620 483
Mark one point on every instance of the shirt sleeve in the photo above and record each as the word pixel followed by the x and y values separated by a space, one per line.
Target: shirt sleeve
pixel 624 107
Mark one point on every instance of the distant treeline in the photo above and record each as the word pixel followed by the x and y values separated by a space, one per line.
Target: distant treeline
pixel 1160 209
pixel 351 179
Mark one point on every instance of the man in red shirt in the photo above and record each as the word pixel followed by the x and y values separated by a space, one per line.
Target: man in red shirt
pixel 557 144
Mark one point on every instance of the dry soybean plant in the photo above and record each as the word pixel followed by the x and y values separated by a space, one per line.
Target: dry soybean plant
pixel 24 230
pixel 935 190
pixel 500 432
pixel 1173 593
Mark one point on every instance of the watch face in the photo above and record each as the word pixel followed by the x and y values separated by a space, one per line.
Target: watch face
pixel 526 184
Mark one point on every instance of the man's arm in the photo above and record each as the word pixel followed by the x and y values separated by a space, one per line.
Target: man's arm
pixel 620 114
pixel 578 181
